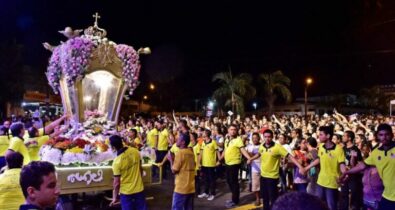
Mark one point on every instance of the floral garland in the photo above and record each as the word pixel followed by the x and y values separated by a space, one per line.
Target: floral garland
pixel 71 59
pixel 54 70
pixel 75 58
pixel 131 66
pixel 63 151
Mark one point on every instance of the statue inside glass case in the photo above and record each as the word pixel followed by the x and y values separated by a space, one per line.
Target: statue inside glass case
pixel 92 74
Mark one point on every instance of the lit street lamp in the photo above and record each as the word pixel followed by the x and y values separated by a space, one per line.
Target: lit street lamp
pixel 254 105
pixel 142 102
pixel 152 86
pixel 309 81
pixel 211 105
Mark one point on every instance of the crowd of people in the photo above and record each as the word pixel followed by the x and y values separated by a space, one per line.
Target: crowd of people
pixel 348 162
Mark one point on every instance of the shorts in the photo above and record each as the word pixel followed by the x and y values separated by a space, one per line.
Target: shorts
pixel 255 183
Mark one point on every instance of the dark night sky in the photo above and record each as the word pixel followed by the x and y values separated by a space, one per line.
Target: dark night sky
pixel 344 45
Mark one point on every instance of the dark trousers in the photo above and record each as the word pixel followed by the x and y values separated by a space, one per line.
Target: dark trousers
pixel 134 201
pixel 232 172
pixel 302 187
pixel 355 186
pixel 197 183
pixel 220 172
pixel 159 157
pixel 182 201
pixel 209 180
pixel 269 192
pixel 328 195
pixel 2 162
pixel 386 204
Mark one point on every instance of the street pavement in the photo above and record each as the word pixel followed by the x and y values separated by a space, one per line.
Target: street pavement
pixel 159 197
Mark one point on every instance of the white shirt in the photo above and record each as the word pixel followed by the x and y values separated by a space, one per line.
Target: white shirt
pixel 288 148
pixel 255 164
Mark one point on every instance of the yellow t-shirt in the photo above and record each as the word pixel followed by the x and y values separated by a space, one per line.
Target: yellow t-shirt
pixel 385 164
pixel 184 163
pixel 17 145
pixel 138 129
pixel 34 148
pixel 196 152
pixel 232 151
pixel 270 159
pixel 174 149
pixel 151 137
pixel 163 142
pixel 330 160
pixel 209 154
pixel 11 196
pixel 127 166
pixel 4 144
pixel 137 141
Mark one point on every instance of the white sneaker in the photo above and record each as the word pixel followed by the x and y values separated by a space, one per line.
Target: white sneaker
pixel 203 195
pixel 210 198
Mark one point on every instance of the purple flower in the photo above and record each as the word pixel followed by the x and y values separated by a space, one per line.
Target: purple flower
pixel 129 58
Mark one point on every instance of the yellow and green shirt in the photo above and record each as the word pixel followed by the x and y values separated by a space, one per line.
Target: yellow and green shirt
pixel 330 160
pixel 137 141
pixel 34 148
pixel 127 166
pixel 270 159
pixel 384 161
pixel 209 153
pixel 163 142
pixel 4 144
pixel 196 152
pixel 174 149
pixel 17 145
pixel 151 137
pixel 232 151
pixel 11 196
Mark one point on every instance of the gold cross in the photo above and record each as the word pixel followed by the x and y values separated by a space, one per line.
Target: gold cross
pixel 96 16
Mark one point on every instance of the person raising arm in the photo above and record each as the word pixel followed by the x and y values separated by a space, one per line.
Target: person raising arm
pixel 383 158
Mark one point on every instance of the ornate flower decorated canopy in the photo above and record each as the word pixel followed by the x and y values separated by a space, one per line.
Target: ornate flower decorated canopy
pixel 92 73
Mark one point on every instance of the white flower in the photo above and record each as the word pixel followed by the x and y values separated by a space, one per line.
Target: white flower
pixel 52 155
pixel 68 158
pixel 82 157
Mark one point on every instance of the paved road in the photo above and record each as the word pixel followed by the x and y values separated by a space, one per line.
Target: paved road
pixel 159 197
pixel 162 197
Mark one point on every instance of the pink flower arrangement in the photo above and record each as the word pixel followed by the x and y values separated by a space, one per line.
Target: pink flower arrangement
pixel 131 66
pixel 93 114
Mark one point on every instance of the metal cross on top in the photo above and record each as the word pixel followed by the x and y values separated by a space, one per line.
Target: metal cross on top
pixel 96 16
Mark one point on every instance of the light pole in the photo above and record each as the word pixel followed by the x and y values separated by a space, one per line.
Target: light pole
pixel 309 81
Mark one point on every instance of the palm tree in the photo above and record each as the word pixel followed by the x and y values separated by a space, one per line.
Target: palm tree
pixel 233 90
pixel 274 85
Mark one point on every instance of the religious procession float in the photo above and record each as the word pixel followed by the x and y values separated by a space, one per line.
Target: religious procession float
pixel 91 74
